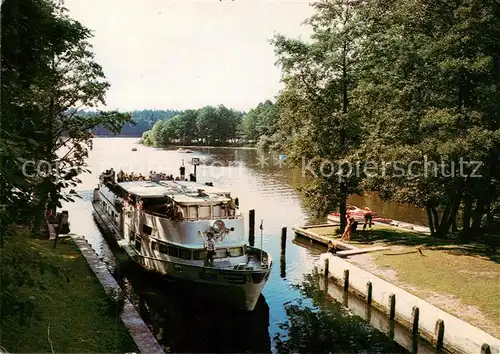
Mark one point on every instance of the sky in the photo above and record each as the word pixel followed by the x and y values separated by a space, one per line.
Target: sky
pixel 166 54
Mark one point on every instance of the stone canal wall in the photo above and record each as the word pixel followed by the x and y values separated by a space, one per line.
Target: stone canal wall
pixel 139 331
pixel 441 328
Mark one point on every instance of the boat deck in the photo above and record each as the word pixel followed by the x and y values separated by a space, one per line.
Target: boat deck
pixel 227 264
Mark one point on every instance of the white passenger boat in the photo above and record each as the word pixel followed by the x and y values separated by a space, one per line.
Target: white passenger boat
pixel 164 226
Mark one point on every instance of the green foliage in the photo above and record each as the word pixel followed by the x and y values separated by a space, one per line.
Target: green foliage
pixel 315 112
pixel 433 93
pixel 43 92
pixel 24 270
pixel 208 125
pixel 261 121
pixel 410 86
pixel 52 301
pixel 142 121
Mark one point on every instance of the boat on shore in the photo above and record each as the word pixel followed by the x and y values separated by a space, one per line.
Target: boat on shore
pixel 163 226
pixel 359 215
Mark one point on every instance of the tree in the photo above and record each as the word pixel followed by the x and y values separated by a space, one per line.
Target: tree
pixel 430 89
pixel 261 121
pixel 46 95
pixel 319 78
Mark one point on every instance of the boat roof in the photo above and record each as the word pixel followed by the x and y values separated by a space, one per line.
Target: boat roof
pixel 182 192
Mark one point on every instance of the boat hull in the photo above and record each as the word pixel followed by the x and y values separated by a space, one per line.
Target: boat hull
pixel 239 289
pixel 226 288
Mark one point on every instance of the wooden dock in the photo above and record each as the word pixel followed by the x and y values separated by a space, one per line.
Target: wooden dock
pixel 346 248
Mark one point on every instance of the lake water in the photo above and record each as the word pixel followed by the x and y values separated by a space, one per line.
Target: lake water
pixel 287 317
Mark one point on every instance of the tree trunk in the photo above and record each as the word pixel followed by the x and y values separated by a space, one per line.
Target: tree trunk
pixel 466 217
pixel 477 218
pixel 430 220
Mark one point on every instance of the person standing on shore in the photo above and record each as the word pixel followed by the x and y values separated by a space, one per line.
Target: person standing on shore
pixel 368 215
pixel 348 230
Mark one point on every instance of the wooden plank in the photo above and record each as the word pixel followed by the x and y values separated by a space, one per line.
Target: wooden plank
pixel 322 239
pixel 319 225
pixel 359 251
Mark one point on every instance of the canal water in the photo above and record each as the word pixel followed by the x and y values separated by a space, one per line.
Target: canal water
pixel 292 315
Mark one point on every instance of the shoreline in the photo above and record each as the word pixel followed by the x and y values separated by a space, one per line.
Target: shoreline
pixel 437 271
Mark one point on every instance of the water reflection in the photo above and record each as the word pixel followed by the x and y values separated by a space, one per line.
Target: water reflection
pixel 328 327
pixel 183 321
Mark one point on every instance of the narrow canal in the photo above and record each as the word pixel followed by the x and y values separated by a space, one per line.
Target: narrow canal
pixel 292 315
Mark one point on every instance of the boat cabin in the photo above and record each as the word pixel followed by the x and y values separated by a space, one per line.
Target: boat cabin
pixel 178 200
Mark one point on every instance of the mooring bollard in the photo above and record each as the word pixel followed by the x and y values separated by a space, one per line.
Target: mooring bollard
pixel 415 312
pixel 369 290
pixel 392 307
pixel 439 334
pixel 346 279
pixel 251 228
pixel 327 263
pixel 283 241
pixel 485 349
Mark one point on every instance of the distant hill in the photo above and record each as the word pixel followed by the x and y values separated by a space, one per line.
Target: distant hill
pixel 144 120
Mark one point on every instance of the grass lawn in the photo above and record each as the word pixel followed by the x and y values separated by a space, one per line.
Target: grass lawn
pixel 462 279
pixel 72 310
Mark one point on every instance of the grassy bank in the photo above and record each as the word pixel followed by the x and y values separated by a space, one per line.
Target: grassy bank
pixel 71 311
pixel 461 279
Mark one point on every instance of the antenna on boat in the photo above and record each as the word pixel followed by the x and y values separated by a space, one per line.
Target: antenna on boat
pixel 261 228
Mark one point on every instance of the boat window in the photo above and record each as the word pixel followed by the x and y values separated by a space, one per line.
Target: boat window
pixel 154 246
pixel 156 205
pixel 163 248
pixel 221 253
pixel 173 251
pixel 216 211
pixel 147 229
pixel 193 212
pixel 204 211
pixel 184 253
pixel 198 255
pixel 236 251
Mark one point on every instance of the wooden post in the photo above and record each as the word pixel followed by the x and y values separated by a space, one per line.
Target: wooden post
pixel 392 307
pixel 369 291
pixel 327 263
pixel 251 221
pixel 283 241
pixel 485 349
pixel 282 267
pixel 415 313
pixel 346 280
pixel 439 334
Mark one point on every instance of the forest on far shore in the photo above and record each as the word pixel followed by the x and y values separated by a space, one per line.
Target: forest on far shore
pixel 204 126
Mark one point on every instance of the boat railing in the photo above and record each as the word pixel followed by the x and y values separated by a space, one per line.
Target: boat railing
pixel 232 217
